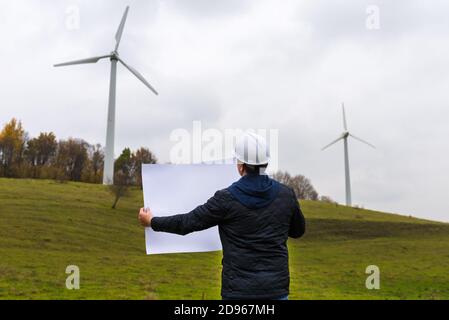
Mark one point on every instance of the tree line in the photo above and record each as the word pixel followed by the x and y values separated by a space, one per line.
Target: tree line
pixel 45 157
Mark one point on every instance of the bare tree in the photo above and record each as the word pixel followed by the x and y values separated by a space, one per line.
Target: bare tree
pixel 97 160
pixel 301 185
pixel 92 170
pixel 123 177
pixel 120 187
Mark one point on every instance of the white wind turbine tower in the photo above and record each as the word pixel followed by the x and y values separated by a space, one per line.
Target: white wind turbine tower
pixel 108 171
pixel 344 136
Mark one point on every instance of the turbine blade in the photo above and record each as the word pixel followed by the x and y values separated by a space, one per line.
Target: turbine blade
pixel 333 142
pixel 118 35
pixel 138 75
pixel 357 138
pixel 345 126
pixel 82 61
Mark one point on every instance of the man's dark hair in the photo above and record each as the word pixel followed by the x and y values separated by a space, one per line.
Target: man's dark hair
pixel 254 169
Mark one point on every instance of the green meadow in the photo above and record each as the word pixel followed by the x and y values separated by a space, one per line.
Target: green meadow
pixel 46 226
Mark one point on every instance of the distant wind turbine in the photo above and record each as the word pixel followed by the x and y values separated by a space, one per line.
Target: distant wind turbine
pixel 344 136
pixel 108 170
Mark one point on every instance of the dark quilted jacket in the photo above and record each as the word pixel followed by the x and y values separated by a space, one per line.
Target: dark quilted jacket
pixel 255 255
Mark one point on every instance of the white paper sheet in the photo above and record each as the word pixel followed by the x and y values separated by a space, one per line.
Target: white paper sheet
pixel 176 189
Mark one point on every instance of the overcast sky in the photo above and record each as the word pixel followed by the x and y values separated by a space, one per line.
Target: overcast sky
pixel 283 65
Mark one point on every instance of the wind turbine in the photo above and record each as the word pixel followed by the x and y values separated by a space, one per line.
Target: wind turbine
pixel 344 136
pixel 108 170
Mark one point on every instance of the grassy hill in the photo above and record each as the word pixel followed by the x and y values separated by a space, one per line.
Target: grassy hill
pixel 45 226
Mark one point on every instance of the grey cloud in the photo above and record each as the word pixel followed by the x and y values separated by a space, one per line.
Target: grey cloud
pixel 234 64
pixel 209 9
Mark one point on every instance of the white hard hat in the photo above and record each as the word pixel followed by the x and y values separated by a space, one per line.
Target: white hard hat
pixel 252 149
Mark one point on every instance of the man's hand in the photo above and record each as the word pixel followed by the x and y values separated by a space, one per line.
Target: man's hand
pixel 145 217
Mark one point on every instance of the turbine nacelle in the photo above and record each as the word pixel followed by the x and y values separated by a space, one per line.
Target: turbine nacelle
pixel 346 134
pixel 114 55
